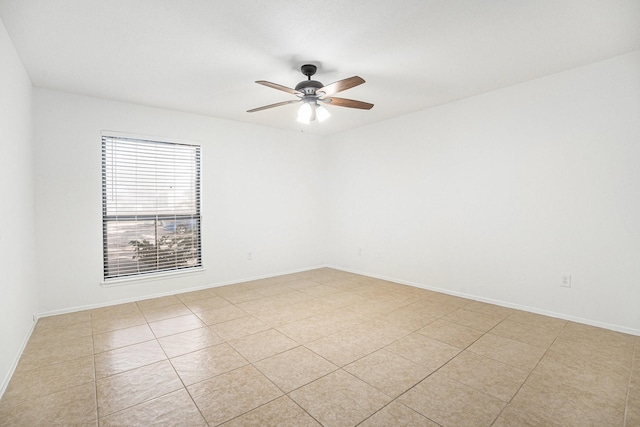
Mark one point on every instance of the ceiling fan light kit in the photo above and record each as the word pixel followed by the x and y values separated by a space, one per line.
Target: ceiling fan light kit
pixel 312 92
pixel 305 113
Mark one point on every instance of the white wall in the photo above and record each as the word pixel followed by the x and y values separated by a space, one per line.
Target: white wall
pixel 18 291
pixel 497 195
pixel 263 192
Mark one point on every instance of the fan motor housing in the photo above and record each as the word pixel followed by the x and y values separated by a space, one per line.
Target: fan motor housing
pixel 309 87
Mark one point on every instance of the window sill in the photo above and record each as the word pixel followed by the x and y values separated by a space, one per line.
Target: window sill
pixel 122 281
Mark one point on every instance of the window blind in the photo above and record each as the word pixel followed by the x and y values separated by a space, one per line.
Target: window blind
pixel 150 206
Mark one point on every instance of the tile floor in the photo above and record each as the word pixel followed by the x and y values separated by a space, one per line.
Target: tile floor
pixel 322 347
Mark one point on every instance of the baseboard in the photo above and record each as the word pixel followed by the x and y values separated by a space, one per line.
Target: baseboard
pixel 563 316
pixel 507 304
pixel 168 293
pixel 7 378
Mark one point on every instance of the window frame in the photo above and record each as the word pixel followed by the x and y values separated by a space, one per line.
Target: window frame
pixel 158 218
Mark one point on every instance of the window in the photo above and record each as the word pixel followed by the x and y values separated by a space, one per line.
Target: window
pixel 150 206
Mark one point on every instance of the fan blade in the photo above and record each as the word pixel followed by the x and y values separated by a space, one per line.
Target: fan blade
pixel 278 104
pixel 277 86
pixel 342 102
pixel 341 85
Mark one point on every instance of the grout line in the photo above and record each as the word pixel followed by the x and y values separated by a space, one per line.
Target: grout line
pixel 184 386
pixel 636 351
pixel 531 372
pixel 95 373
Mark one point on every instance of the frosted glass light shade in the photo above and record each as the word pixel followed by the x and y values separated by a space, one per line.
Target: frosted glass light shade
pixel 322 113
pixel 305 113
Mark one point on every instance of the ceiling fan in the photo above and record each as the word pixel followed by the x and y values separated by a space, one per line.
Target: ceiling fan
pixel 311 93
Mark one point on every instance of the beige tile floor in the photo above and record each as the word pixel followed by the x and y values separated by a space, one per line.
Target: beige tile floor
pixel 321 347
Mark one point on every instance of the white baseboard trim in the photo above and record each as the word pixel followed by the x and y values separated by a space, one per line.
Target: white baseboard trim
pixel 613 327
pixel 168 293
pixel 7 378
pixel 507 304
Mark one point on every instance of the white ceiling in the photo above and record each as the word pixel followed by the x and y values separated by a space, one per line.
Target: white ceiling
pixel 204 56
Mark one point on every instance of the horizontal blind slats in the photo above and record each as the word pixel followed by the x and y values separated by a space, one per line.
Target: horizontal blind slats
pixel 151 206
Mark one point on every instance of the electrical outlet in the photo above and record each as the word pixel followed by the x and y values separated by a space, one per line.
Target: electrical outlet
pixel 249 256
pixel 35 318
pixel 565 280
pixel 359 251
